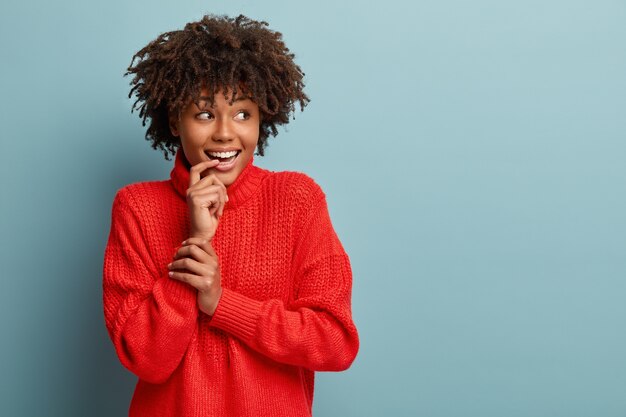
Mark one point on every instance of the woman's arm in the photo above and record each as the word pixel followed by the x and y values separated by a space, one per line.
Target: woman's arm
pixel 316 331
pixel 150 318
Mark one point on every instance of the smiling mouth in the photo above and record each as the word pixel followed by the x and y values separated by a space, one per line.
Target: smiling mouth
pixel 222 159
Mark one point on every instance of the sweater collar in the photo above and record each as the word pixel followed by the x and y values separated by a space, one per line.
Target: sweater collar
pixel 239 191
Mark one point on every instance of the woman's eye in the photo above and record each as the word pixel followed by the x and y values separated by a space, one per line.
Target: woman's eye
pixel 242 115
pixel 205 115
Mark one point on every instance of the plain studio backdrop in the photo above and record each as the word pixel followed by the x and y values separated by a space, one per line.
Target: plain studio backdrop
pixel 474 160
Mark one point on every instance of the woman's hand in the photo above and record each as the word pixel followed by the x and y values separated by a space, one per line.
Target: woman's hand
pixel 197 264
pixel 206 198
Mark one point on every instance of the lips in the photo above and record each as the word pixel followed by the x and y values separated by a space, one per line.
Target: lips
pixel 226 164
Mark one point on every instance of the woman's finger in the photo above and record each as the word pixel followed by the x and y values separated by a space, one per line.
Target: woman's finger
pixel 190 265
pixel 194 252
pixel 195 281
pixel 196 170
pixel 211 197
pixel 191 192
pixel 220 211
pixel 216 189
pixel 219 201
pixel 203 244
pixel 208 198
pixel 212 179
pixel 224 200
pixel 208 180
pixel 213 183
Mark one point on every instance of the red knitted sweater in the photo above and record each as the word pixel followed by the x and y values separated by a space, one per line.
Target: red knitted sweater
pixel 285 309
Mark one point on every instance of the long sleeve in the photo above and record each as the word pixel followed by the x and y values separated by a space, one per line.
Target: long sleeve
pixel 316 331
pixel 150 317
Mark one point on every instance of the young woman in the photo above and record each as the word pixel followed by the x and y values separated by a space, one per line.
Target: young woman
pixel 225 287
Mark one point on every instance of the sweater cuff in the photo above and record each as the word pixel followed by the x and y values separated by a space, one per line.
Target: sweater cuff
pixel 236 314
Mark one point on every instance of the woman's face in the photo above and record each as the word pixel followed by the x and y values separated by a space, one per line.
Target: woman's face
pixel 222 128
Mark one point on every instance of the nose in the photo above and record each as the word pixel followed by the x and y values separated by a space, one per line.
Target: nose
pixel 223 131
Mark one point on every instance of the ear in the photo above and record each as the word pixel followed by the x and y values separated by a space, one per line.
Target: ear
pixel 173 123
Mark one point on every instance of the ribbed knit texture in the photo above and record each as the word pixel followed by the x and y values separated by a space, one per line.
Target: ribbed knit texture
pixel 285 310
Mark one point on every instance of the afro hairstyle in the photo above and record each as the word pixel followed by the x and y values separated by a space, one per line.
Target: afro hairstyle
pixel 217 53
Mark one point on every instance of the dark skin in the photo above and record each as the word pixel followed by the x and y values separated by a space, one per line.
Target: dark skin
pixel 196 262
pixel 200 128
pixel 197 256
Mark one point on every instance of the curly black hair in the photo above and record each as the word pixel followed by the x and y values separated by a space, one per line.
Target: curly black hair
pixel 216 53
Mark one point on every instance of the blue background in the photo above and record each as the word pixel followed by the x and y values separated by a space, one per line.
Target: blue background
pixel 473 156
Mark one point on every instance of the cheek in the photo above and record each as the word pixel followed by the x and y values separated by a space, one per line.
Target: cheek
pixel 192 134
pixel 252 136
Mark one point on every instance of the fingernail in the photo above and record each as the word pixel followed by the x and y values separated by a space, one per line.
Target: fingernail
pixel 184 242
pixel 169 265
pixel 171 274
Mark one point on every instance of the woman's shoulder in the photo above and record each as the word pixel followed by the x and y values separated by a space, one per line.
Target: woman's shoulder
pixel 294 184
pixel 136 194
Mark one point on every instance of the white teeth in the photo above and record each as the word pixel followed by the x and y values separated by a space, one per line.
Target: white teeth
pixel 223 154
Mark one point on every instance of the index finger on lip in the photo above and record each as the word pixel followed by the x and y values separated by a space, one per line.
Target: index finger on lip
pixel 194 172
